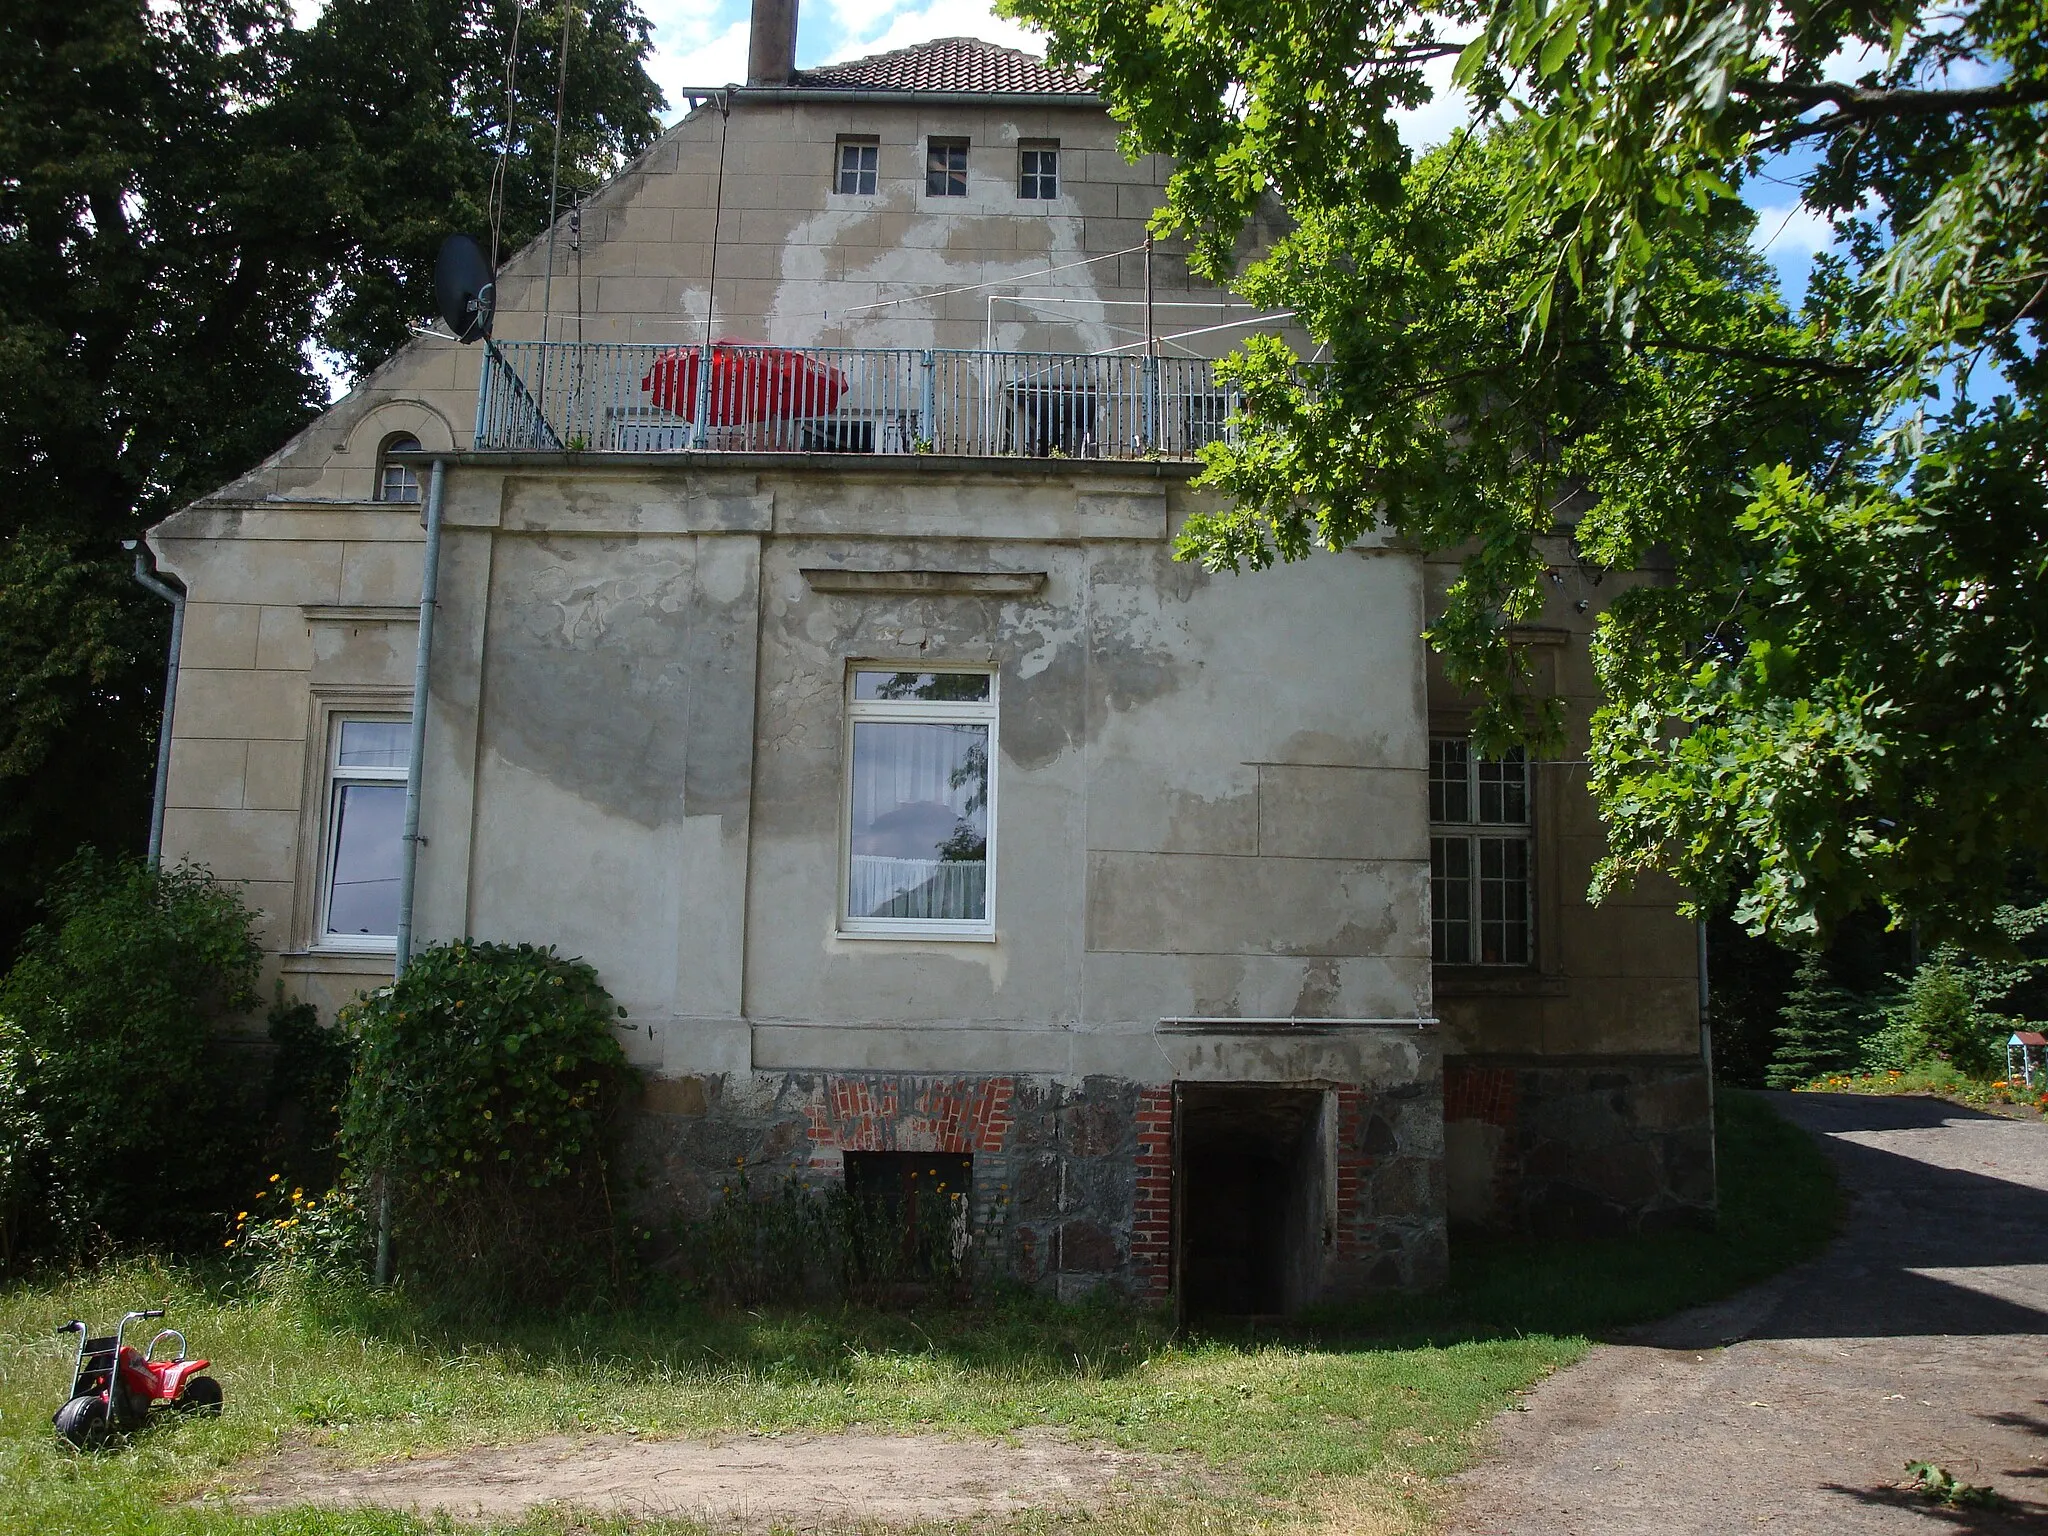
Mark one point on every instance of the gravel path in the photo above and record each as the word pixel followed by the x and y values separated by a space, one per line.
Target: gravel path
pixel 1921 1335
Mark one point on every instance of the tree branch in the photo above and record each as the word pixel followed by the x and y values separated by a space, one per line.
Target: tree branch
pixel 1857 103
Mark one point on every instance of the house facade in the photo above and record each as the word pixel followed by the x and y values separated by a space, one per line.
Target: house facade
pixel 809 655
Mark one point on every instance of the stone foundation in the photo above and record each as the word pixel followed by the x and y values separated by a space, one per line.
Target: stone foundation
pixel 1588 1147
pixel 1075 1181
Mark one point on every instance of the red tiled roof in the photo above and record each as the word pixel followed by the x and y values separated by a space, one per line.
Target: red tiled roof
pixel 949 64
pixel 2029 1037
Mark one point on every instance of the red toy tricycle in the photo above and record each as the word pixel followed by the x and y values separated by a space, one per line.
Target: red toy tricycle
pixel 114 1385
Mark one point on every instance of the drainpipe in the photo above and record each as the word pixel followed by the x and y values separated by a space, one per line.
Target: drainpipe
pixel 1707 1054
pixel 415 763
pixel 163 740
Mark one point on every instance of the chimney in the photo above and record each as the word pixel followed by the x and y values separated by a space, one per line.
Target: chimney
pixel 771 49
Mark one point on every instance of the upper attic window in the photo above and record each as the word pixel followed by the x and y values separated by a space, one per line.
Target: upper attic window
pixel 1038 169
pixel 857 159
pixel 945 167
pixel 397 482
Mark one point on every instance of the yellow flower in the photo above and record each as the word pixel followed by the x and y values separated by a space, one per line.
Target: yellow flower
pixel 275 1177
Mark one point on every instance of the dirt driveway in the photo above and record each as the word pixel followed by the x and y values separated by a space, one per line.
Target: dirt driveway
pixel 1921 1335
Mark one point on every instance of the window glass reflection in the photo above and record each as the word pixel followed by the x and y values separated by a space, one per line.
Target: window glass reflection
pixel 919 829
pixel 362 901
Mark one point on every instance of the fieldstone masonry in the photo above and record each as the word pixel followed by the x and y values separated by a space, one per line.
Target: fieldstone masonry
pixel 1077 1177
pixel 1578 1148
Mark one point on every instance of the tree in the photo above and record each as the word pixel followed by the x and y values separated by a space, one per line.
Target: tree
pixel 1831 702
pixel 191 197
pixel 1818 1031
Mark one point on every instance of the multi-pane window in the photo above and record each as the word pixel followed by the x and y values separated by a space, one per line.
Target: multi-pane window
pixel 920 802
pixel 945 167
pixel 397 482
pixel 365 831
pixel 1038 171
pixel 1479 886
pixel 857 161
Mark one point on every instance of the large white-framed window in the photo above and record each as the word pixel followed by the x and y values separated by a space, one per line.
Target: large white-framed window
pixel 919 855
pixel 1481 894
pixel 363 833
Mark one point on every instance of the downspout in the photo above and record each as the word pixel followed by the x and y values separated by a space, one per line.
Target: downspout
pixel 176 599
pixel 1707 1055
pixel 415 764
pixel 408 869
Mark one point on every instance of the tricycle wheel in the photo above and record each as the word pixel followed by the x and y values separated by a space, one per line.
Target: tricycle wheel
pixel 83 1421
pixel 202 1394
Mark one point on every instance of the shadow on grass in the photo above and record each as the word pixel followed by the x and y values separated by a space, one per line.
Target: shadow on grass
pixel 1779 1205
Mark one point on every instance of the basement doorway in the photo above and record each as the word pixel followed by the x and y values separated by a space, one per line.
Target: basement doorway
pixel 1253 1197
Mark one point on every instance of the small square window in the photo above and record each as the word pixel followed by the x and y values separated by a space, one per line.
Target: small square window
pixel 857 166
pixel 1038 171
pixel 945 167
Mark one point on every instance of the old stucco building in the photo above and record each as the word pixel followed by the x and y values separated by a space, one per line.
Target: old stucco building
pixel 842 703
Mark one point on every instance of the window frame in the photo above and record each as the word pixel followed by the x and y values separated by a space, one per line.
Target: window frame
pixel 385 467
pixel 932 145
pixel 873 174
pixel 334 778
pixel 981 930
pixel 1473 833
pixel 1026 178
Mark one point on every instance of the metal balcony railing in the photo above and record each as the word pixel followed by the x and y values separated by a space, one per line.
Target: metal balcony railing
pixel 619 397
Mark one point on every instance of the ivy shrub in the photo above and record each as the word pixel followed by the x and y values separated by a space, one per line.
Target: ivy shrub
pixel 123 1119
pixel 487 1098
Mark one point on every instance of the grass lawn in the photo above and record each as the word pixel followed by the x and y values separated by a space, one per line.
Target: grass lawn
pixel 1344 1425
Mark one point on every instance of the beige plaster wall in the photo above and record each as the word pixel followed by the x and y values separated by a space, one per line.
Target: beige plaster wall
pixel 636 751
pixel 1620 978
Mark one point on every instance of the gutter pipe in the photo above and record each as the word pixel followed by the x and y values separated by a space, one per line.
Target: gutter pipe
pixel 415 763
pixel 176 599
pixel 408 870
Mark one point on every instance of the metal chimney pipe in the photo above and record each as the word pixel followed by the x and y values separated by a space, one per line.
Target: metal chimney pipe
pixel 771 46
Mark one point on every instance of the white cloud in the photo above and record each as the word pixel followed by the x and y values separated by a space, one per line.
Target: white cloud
pixel 1446 111
pixel 1788 230
pixel 944 18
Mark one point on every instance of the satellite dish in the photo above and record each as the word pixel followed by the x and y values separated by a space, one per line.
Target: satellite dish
pixel 465 288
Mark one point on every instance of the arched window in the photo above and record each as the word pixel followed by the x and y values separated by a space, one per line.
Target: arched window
pixel 397 482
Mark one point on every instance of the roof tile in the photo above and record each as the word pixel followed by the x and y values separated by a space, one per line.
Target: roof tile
pixel 950 64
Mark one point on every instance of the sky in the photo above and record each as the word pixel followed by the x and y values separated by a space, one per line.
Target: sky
pixel 704 42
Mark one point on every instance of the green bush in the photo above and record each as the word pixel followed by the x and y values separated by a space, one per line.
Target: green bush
pixel 486 1097
pixel 1953 1009
pixel 122 1118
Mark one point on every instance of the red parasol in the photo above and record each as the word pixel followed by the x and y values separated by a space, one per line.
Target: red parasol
pixel 748 383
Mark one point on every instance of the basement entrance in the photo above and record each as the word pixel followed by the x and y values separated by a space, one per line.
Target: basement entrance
pixel 1252 1197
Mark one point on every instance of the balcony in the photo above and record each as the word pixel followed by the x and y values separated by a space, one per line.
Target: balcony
pixel 732 397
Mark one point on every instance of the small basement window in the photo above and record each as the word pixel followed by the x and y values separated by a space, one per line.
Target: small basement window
pixel 857 162
pixel 397 482
pixel 913 1211
pixel 945 167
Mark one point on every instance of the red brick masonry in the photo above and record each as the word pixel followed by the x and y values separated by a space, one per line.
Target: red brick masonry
pixel 946 1114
